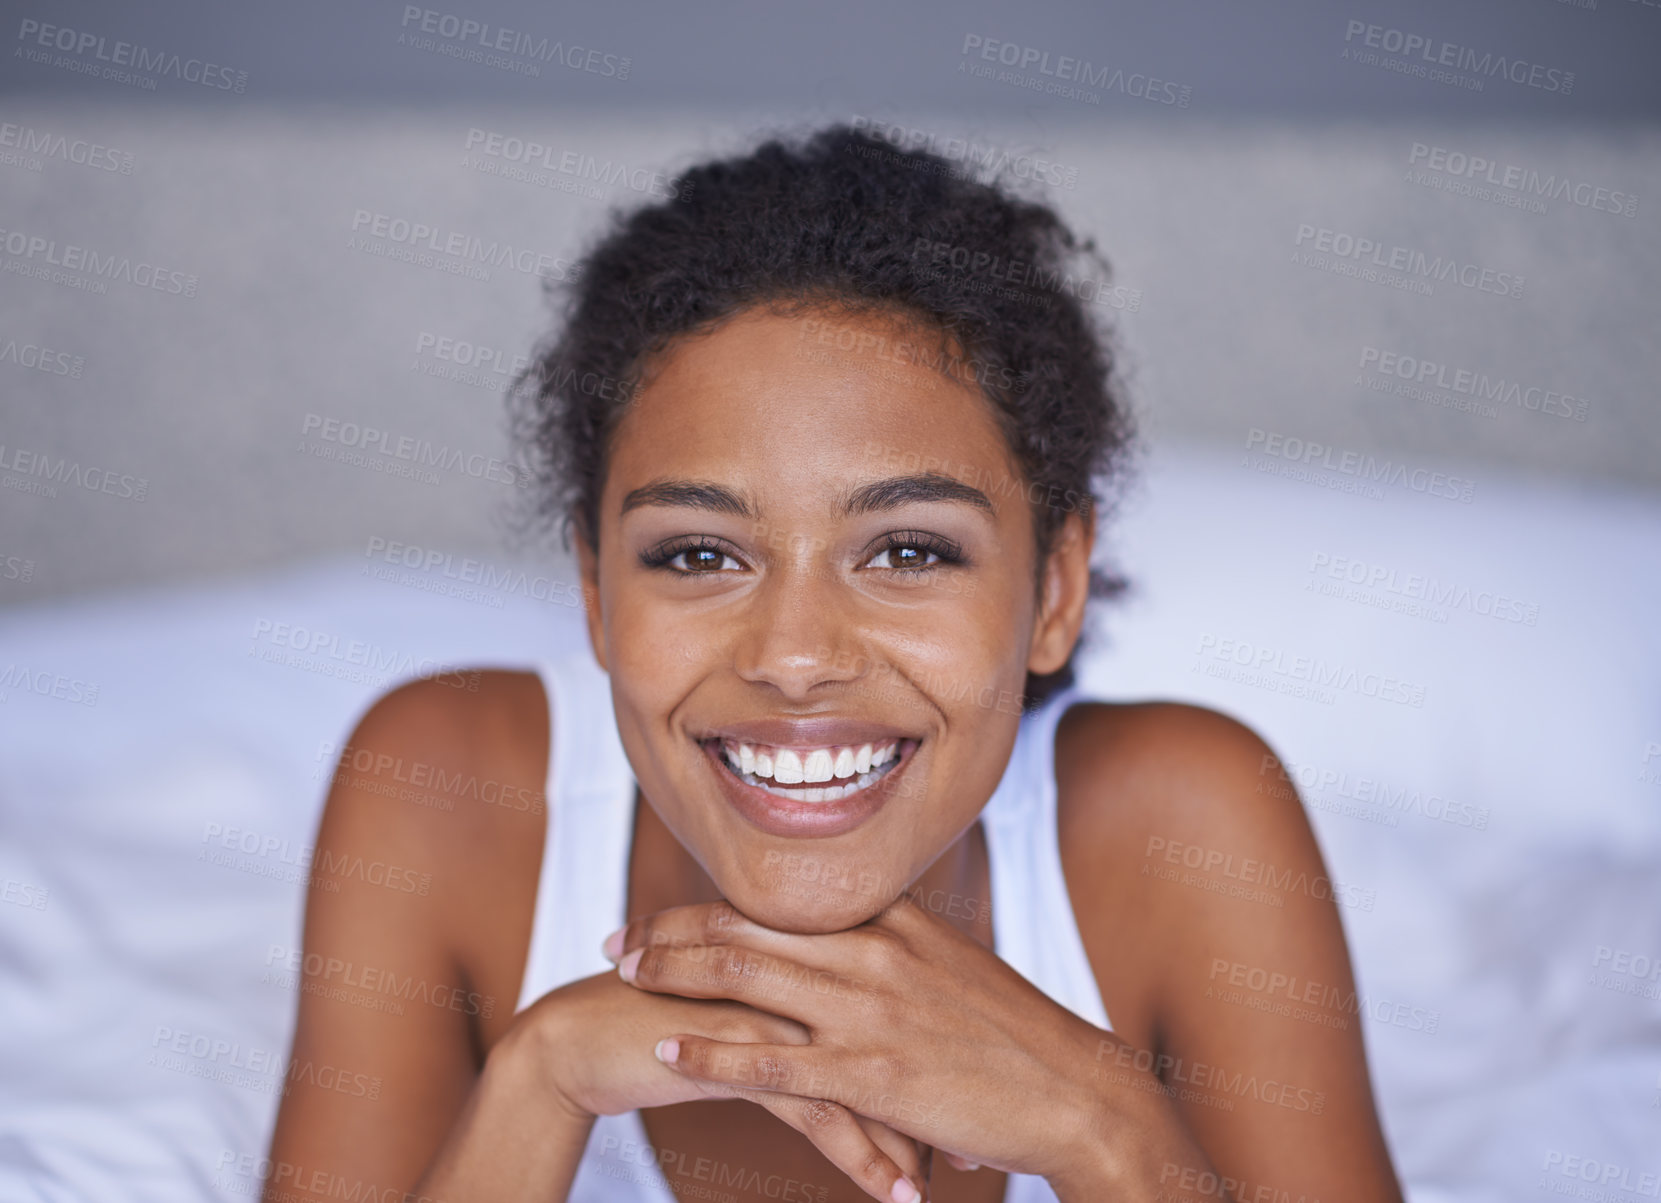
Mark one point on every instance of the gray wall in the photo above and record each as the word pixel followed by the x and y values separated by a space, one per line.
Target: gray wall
pixel 1199 206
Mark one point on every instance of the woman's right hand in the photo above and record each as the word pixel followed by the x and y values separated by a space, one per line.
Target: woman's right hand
pixel 590 1047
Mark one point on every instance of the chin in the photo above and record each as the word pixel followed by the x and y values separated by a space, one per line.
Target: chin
pixel 806 907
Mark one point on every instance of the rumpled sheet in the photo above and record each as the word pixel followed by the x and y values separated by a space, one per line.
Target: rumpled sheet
pixel 1509 969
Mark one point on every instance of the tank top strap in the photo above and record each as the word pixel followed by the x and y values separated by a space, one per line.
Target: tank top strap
pixel 581 893
pixel 1033 924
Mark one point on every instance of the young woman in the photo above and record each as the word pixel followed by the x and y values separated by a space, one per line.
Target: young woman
pixel 838 878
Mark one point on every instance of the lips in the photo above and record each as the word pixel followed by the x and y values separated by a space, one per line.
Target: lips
pixel 811 809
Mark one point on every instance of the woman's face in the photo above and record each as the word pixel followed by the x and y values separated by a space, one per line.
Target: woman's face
pixel 816 557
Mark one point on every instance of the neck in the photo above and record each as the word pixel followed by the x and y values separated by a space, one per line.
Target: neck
pixel 662 874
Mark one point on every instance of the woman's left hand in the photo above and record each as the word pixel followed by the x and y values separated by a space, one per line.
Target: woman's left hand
pixel 911 1022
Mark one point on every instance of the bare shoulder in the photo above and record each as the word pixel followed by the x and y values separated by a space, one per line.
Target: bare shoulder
pixel 1170 771
pixel 445 777
pixel 1202 899
pixel 418 915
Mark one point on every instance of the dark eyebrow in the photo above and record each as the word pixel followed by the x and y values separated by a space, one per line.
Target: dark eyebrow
pixel 901 490
pixel 691 494
pixel 868 498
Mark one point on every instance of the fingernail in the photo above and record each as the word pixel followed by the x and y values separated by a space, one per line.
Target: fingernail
pixel 904 1192
pixel 667 1050
pixel 629 964
pixel 613 947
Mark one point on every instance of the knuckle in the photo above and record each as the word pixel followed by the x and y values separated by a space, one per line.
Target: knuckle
pixel 731 967
pixel 820 1114
pixel 874 1166
pixel 653 965
pixel 770 1071
pixel 720 920
pixel 885 1066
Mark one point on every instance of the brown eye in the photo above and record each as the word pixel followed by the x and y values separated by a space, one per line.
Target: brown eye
pixel 703 559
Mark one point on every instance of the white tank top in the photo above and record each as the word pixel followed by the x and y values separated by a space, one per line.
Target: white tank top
pixel 581 897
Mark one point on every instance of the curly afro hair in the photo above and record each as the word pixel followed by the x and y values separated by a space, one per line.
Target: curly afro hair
pixel 839 219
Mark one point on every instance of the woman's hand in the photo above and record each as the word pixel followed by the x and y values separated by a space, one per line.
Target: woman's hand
pixel 589 1046
pixel 907 1021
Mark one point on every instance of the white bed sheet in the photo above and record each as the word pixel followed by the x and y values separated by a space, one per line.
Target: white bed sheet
pixel 118 939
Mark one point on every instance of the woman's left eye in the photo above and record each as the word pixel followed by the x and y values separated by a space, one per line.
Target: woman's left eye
pixel 914 554
pixel 903 556
pixel 702 560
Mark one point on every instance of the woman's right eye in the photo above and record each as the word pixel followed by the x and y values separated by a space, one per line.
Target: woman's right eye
pixel 702 560
pixel 697 558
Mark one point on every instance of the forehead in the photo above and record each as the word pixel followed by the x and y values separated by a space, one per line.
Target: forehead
pixel 827 397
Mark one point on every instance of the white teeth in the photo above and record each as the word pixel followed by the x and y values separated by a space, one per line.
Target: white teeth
pixel 819 766
pixel 787 767
pixel 859 767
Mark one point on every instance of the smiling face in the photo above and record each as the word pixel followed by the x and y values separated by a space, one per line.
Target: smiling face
pixel 817 605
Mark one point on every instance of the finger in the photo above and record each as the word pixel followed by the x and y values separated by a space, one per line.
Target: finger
pixel 776 1068
pixel 701 923
pixel 884 1164
pixel 906 1151
pixel 961 1163
pixel 756 979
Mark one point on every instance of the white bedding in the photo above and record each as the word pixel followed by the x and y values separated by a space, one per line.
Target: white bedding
pixel 143 1036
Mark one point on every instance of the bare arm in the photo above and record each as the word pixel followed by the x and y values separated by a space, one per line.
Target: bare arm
pixel 1252 1024
pixel 389 994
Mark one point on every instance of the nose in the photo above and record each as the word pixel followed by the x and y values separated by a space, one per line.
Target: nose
pixel 798 634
